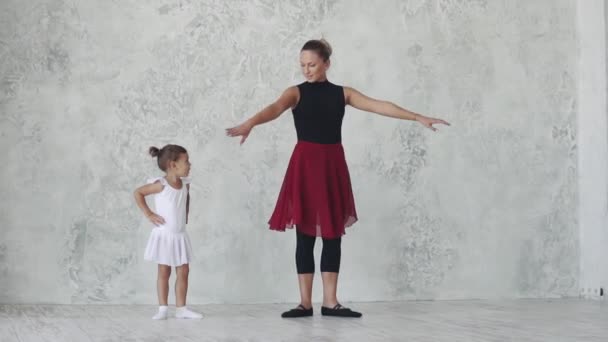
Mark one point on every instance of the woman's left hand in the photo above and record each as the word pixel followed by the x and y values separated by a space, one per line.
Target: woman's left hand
pixel 429 122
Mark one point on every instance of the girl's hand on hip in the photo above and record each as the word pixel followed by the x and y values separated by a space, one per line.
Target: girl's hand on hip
pixel 156 219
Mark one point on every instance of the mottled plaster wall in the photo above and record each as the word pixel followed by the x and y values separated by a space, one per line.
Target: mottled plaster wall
pixel 592 147
pixel 485 208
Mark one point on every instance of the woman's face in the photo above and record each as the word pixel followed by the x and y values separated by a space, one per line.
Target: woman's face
pixel 313 66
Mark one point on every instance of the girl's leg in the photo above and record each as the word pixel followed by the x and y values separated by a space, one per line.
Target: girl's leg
pixel 181 285
pixel 181 290
pixel 162 291
pixel 162 284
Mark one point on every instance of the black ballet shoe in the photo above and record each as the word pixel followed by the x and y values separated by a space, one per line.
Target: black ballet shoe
pixel 299 311
pixel 339 311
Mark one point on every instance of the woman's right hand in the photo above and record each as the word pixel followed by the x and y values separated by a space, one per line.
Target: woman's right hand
pixel 156 219
pixel 241 130
pixel 288 99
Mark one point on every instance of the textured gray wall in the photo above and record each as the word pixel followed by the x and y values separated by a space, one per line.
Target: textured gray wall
pixel 486 208
pixel 592 146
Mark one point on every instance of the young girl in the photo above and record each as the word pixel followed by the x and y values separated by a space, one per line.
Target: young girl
pixel 169 244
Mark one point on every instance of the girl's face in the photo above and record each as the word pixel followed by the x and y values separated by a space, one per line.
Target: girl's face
pixel 313 66
pixel 181 167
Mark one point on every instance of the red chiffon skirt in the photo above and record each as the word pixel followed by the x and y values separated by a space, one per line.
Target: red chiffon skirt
pixel 316 196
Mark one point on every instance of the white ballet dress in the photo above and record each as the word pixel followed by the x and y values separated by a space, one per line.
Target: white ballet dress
pixel 169 243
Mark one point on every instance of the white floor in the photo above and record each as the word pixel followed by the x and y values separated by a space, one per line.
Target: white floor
pixel 517 320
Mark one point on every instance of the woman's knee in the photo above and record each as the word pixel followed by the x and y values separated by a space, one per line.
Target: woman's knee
pixel 305 259
pixel 331 255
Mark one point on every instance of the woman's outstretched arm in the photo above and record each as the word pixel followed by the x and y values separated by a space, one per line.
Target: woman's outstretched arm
pixel 287 100
pixel 362 102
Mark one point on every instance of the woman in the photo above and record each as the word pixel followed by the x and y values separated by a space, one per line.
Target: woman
pixel 316 195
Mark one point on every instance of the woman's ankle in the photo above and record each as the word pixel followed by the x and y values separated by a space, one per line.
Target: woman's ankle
pixel 306 305
pixel 330 303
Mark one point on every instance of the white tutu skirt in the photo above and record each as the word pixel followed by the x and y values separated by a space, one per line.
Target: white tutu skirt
pixel 167 248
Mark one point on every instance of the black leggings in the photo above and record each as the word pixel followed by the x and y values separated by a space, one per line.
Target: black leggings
pixel 305 259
